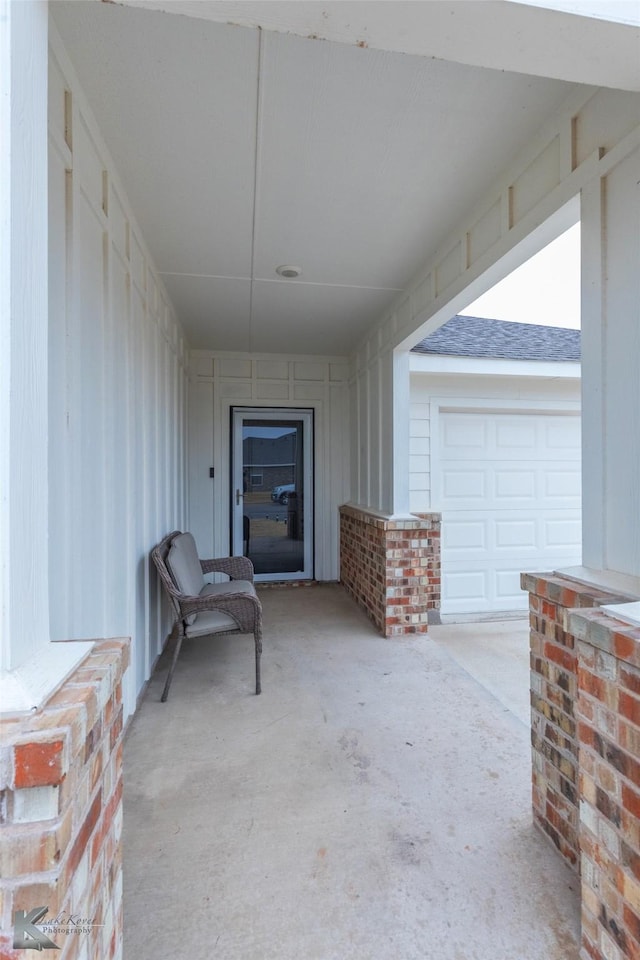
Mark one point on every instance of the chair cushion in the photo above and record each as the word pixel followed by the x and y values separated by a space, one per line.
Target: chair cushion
pixel 212 621
pixel 184 567
pixel 228 586
pixel 215 621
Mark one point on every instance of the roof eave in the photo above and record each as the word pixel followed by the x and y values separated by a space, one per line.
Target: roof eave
pixel 494 366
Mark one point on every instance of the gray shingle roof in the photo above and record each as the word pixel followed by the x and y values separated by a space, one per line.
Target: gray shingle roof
pixel 478 337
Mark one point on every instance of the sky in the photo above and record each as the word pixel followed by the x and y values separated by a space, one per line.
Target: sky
pixel 544 290
pixel 622 11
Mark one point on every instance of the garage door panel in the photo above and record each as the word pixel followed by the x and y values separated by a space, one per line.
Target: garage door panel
pixel 562 533
pixel 498 485
pixel 464 487
pixel 463 537
pixel 492 538
pixel 520 534
pixel 561 433
pixel 563 483
pixel 510 495
pixel 509 437
pixel 473 588
pixel 468 586
pixel 507 588
pixel 459 432
pixel 513 483
pixel 478 586
pixel 517 433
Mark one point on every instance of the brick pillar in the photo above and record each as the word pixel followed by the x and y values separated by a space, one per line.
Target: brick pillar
pixel 61 811
pixel 391 568
pixel 608 715
pixel 585 696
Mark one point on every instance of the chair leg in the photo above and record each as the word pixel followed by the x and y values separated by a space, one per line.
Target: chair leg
pixel 258 639
pixel 165 692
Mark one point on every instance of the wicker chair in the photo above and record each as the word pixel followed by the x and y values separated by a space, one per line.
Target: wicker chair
pixel 200 608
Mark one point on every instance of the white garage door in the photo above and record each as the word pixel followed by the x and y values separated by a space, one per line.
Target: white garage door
pixel 509 490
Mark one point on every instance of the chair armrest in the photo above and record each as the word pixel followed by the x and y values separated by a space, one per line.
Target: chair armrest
pixel 201 604
pixel 237 568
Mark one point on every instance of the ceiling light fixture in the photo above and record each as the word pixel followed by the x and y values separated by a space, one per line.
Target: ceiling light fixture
pixel 288 271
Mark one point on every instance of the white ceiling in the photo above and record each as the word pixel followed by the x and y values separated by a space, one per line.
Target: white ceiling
pixel 243 149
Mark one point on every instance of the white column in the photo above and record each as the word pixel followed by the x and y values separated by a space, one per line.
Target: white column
pixel 401 433
pixel 23 329
pixel 381 434
pixel 30 666
pixel 611 370
pixel 593 377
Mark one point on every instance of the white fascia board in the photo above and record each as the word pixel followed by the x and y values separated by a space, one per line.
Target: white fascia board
pixel 500 36
pixel 495 367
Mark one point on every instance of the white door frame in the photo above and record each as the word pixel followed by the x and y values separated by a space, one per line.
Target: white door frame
pixel 306 417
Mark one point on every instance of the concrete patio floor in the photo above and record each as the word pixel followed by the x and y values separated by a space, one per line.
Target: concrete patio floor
pixel 372 804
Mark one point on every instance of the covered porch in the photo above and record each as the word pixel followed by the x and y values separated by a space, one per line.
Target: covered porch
pixel 148 205
pixel 373 802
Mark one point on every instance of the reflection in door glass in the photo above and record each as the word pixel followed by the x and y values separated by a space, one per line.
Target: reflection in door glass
pixel 272 482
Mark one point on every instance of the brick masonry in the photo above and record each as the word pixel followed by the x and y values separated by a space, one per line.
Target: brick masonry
pixel 391 568
pixel 585 696
pixel 61 811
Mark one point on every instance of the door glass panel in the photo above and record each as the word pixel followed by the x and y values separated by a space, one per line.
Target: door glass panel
pixel 272 485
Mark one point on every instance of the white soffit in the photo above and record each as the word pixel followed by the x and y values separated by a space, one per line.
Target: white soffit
pixel 219 303
pixel 242 150
pixel 364 156
pixel 310 318
pixel 175 100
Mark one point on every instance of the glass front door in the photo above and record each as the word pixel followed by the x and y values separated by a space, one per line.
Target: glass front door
pixel 272 491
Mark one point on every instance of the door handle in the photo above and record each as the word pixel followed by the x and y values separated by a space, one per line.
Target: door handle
pixel 238 497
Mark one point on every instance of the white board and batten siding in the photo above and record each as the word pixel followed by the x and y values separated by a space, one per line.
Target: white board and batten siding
pixel 505 472
pixel 118 395
pixel 221 381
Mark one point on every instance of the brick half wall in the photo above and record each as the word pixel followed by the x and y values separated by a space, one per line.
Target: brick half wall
pixel 585 719
pixel 391 568
pixel 61 811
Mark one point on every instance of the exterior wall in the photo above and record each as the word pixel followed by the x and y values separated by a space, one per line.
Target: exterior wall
pixel 585 697
pixel 430 390
pixel 61 805
pixel 117 397
pixel 222 381
pixel 379 402
pixel 391 568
